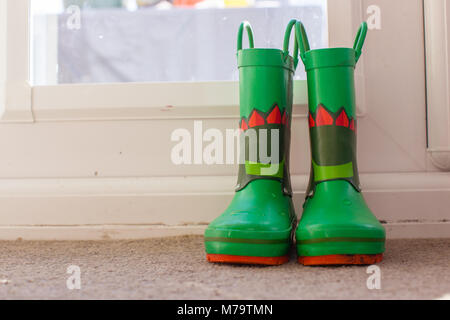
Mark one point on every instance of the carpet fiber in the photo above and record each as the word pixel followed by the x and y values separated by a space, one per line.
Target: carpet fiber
pixel 176 268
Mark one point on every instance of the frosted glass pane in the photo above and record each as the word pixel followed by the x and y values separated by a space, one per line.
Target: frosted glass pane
pixel 89 41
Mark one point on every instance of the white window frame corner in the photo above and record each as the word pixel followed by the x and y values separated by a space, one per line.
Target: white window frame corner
pixel 437 48
pixel 15 89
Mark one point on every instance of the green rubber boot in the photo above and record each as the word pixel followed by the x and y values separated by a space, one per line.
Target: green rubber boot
pixel 258 225
pixel 336 227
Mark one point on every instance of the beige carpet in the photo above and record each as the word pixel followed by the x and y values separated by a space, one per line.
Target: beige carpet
pixel 175 268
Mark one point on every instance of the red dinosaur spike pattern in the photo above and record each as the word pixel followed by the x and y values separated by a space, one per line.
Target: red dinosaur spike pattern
pixel 256 120
pixel 312 123
pixel 274 116
pixel 323 118
pixel 352 125
pixel 342 119
pixel 244 125
pixel 259 118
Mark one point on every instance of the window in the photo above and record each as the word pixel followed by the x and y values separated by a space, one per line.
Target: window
pixel 99 41
pixel 54 76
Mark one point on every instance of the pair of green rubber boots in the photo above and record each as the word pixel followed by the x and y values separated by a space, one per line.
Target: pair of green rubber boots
pixel 336 226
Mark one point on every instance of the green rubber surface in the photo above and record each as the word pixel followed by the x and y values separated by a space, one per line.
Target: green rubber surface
pixel 337 220
pixel 258 222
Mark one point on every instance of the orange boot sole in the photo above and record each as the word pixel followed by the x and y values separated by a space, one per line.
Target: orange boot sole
pixel 225 258
pixel 341 259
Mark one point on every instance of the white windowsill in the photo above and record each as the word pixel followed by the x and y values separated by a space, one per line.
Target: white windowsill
pixel 130 101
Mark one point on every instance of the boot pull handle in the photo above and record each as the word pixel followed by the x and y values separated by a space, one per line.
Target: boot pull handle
pixel 359 41
pixel 301 40
pixel 287 38
pixel 245 25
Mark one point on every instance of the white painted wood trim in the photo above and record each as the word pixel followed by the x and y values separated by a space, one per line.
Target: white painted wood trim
pixel 44 48
pixel 418 230
pixel 122 208
pixel 15 90
pixel 152 101
pixel 3 55
pixel 126 232
pixel 202 185
pixel 128 101
pixel 437 46
pixel 96 232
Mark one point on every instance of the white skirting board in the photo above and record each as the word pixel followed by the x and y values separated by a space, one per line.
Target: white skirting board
pixel 412 205
pixel 407 230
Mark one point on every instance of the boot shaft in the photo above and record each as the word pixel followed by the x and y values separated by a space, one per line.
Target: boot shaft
pixel 332 110
pixel 266 95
